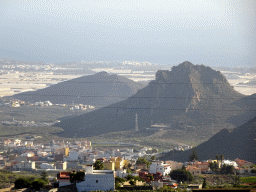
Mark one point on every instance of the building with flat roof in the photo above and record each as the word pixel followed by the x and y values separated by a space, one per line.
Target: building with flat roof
pixel 97 180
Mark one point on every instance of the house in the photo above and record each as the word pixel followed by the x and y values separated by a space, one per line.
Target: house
pixel 109 165
pixel 144 175
pixel 25 165
pixel 194 170
pixel 47 166
pixel 123 173
pixel 97 180
pixel 243 163
pixel 159 166
pixel 141 166
pixel 119 162
pixel 61 165
pixel 63 179
pixel 73 156
pixel 195 186
pixel 204 166
pixel 174 165
pixel 58 157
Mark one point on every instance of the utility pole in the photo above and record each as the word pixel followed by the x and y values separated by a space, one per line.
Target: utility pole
pixel 136 123
pixel 73 107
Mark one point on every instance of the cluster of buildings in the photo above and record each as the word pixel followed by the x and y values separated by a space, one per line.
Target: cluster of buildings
pixel 28 123
pixel 82 107
pixel 136 63
pixel 62 157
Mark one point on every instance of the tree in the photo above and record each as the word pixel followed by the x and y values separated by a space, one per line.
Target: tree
pixel 38 183
pixel 129 177
pixel 227 169
pixel 22 183
pixel 142 160
pixel 193 156
pixel 150 177
pixel 138 178
pixel 221 159
pixel 132 182
pixel 132 179
pixel 204 183
pixel 129 171
pixel 217 158
pixel 76 177
pixel 181 175
pixel 153 158
pixel 98 165
pixel 154 150
pixel 126 164
pixel 44 176
pixel 237 180
pixel 214 166
pixel 119 181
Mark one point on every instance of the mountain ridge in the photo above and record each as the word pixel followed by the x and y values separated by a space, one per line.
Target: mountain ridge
pixel 192 94
pixel 238 143
pixel 98 89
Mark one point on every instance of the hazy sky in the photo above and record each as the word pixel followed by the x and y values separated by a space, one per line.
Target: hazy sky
pixel 210 32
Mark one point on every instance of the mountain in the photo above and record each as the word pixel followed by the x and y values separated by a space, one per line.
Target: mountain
pixel 193 95
pixel 246 103
pixel 100 89
pixel 238 143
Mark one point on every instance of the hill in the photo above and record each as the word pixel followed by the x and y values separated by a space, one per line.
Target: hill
pixel 187 96
pixel 238 143
pixel 100 89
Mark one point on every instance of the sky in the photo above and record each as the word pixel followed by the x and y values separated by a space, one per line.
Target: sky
pixel 209 32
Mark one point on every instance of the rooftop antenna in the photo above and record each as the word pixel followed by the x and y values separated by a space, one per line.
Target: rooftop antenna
pixel 136 123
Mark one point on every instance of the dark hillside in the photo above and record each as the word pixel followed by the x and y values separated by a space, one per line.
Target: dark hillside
pixel 240 143
pixel 100 89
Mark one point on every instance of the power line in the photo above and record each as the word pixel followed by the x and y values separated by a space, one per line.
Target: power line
pixel 142 108
pixel 133 97
pixel 173 83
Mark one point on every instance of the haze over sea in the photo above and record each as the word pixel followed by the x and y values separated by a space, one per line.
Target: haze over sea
pixel 210 32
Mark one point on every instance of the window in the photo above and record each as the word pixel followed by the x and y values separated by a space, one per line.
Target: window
pixel 97 181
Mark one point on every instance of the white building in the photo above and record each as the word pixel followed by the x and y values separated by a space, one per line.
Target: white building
pixel 47 166
pixel 159 166
pixel 97 180
pixel 73 156
pixel 25 165
pixel 228 162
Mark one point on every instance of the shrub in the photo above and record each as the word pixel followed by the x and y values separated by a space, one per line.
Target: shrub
pixel 38 183
pixel 22 183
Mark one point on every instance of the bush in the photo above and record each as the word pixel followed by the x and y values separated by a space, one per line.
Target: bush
pixel 181 175
pixel 39 183
pixel 22 183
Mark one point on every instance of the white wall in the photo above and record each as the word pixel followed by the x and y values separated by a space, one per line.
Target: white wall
pixel 93 182
pixel 73 156
pixel 64 183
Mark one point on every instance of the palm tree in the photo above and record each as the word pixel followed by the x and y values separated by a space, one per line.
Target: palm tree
pixel 221 159
pixel 217 158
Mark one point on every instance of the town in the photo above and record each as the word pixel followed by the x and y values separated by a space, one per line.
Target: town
pixel 109 168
